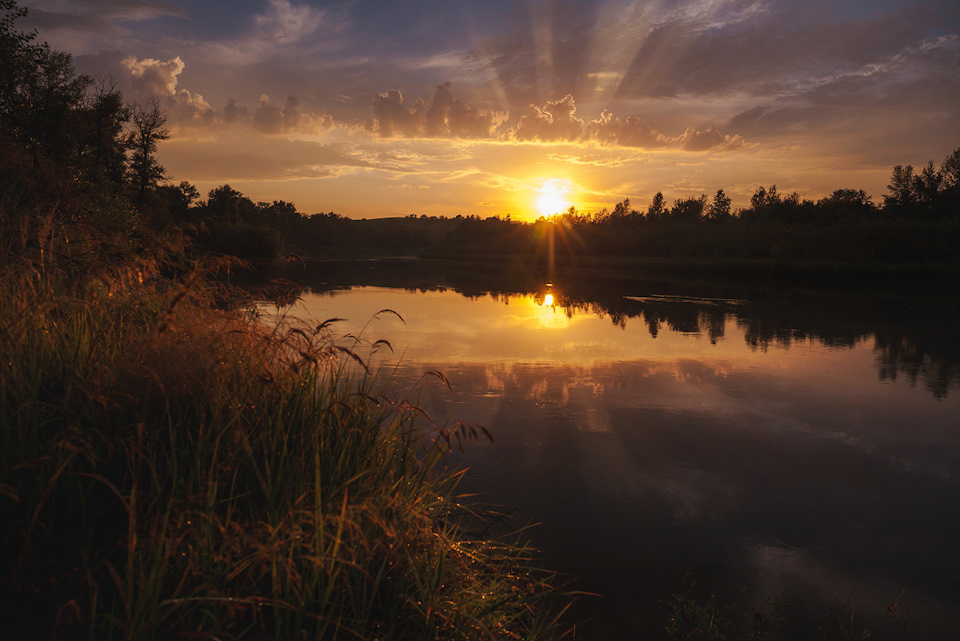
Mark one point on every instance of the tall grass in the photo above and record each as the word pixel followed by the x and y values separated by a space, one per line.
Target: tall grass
pixel 168 469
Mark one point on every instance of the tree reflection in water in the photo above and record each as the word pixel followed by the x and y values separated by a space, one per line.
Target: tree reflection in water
pixel 747 434
pixel 915 339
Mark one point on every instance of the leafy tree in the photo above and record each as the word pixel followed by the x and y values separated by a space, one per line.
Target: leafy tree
pixel 39 90
pixel 621 210
pixel 178 199
pixel 101 152
pixel 927 185
pixel 224 203
pixel 688 209
pixel 657 209
pixel 720 207
pixel 901 188
pixel 764 200
pixel 19 57
pixel 848 197
pixel 950 170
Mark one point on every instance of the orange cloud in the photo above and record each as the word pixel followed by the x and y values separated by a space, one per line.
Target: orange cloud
pixel 554 121
pixel 631 132
pixel 557 121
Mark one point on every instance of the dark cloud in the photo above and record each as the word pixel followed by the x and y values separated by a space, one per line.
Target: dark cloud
pixel 77 13
pixel 911 95
pixel 268 118
pixel 769 56
pixel 443 117
pixel 292 114
pixel 288 23
pixel 272 119
pixel 234 112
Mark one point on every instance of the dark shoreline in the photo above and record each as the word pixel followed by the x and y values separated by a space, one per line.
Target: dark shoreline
pixel 908 281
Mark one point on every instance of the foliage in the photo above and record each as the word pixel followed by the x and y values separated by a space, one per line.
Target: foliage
pixel 168 468
pixel 172 467
pixel 698 619
pixel 694 617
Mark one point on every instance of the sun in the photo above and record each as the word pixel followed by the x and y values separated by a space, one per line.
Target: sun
pixel 551 200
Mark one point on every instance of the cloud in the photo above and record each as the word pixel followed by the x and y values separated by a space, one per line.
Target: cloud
pixel 554 121
pixel 81 13
pixel 907 100
pixel 90 27
pixel 287 23
pixel 150 78
pixel 630 132
pixel 778 50
pixel 234 112
pixel 153 77
pixel 557 122
pixel 271 119
pixel 230 157
pixel 443 117
pixel 279 40
pixel 709 139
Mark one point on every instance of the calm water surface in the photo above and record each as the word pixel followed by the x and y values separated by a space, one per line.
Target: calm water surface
pixel 807 452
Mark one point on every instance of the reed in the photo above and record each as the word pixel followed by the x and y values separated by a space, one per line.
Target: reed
pixel 169 469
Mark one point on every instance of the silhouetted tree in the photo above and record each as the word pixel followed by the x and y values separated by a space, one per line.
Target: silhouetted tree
pixel 657 209
pixel 901 188
pixel 844 204
pixel 763 200
pixel 101 153
pixel 178 199
pixel 226 204
pixel 950 169
pixel 39 90
pixel 621 209
pixel 927 185
pixel 146 131
pixel 688 209
pixel 720 207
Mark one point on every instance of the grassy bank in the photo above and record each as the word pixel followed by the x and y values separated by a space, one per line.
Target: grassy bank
pixel 169 469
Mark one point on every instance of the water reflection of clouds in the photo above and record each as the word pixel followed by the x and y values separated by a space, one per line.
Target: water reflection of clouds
pixel 706 436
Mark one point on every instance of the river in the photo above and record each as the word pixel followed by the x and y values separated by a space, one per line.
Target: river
pixel 801 447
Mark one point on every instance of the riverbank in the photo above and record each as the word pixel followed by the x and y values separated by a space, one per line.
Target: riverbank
pixel 171 468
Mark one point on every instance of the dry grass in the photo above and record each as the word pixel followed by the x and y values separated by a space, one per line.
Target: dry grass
pixel 170 469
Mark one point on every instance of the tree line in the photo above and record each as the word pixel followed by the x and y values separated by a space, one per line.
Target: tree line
pixel 79 165
pixel 916 222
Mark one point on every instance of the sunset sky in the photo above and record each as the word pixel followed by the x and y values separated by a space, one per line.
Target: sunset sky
pixel 445 107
